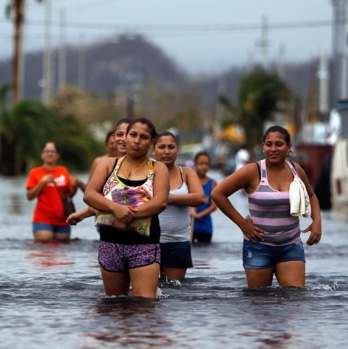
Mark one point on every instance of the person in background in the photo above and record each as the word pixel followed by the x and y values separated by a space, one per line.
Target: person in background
pixel 111 151
pixel 201 215
pixel 272 235
pixel 119 134
pixel 242 157
pixel 129 193
pixel 115 145
pixel 120 131
pixel 185 191
pixel 47 183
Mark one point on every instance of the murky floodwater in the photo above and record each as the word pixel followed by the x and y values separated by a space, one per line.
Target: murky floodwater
pixel 52 296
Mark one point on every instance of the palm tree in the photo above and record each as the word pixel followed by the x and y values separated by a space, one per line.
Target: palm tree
pixel 23 129
pixel 28 125
pixel 16 7
pixel 261 94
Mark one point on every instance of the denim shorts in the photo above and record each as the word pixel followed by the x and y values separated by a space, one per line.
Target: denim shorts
pixel 176 255
pixel 119 257
pixel 56 229
pixel 260 256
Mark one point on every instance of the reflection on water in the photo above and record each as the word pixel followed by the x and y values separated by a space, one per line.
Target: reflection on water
pixel 131 322
pixel 15 204
pixel 49 257
pixel 52 295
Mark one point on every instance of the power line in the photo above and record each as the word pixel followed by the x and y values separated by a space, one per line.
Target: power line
pixel 177 30
pixel 92 3
pixel 186 28
pixel 171 31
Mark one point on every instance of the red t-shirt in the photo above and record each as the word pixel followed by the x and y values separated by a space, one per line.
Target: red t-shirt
pixel 49 208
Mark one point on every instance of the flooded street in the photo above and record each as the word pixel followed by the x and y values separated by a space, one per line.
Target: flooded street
pixel 52 295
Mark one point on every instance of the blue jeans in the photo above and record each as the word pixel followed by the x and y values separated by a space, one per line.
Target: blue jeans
pixel 260 256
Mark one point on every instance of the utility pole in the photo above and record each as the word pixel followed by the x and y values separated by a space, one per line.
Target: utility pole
pixel 62 52
pixel 263 43
pixel 214 126
pixel 21 72
pixel 250 61
pixel 17 49
pixel 81 64
pixel 280 66
pixel 47 78
pixel 339 85
pixel 323 76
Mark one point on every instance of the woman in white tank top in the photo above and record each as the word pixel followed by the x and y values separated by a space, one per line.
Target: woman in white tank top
pixel 185 191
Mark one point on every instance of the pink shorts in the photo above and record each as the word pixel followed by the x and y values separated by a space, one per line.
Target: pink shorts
pixel 118 257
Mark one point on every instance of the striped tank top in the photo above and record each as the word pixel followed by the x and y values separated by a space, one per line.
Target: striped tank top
pixel 270 210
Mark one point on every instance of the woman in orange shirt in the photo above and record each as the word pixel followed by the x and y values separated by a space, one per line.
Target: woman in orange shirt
pixel 48 183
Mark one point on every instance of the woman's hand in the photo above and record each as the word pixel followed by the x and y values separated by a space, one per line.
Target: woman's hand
pixel 193 213
pixel 119 225
pixel 75 218
pixel 315 235
pixel 128 215
pixel 251 231
pixel 79 216
pixel 124 213
pixel 48 178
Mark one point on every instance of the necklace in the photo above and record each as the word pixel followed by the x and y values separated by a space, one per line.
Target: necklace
pixel 131 173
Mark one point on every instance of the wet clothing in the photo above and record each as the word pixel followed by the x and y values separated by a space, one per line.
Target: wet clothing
pixel 176 255
pixel 270 210
pixel 111 234
pixel 56 229
pixel 175 220
pixel 133 193
pixel 175 238
pixel 204 226
pixel 261 256
pixel 49 208
pixel 202 237
pixel 121 257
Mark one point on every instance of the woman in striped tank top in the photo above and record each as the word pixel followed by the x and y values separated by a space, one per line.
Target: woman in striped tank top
pixel 272 242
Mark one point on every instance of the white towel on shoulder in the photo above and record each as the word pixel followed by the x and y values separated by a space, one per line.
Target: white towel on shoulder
pixel 299 199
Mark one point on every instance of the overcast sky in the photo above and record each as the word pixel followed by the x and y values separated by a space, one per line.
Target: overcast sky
pixel 201 36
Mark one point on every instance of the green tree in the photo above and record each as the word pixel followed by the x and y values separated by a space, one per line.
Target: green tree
pixel 261 94
pixel 27 126
pixel 230 114
pixel 22 129
pixel 76 143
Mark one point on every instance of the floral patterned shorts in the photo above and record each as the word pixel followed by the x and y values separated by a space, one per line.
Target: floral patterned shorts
pixel 118 257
